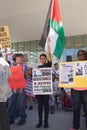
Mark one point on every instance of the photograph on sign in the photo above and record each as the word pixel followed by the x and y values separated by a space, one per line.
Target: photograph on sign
pixel 67 74
pixel 81 69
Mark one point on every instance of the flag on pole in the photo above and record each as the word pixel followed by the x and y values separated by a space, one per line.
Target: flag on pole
pixel 53 30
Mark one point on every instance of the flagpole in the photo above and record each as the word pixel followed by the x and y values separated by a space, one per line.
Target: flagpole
pixel 46 28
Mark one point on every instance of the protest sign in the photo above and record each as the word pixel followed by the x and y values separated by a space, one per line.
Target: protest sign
pixel 17 78
pixel 29 87
pixel 42 81
pixel 73 74
pixel 5 40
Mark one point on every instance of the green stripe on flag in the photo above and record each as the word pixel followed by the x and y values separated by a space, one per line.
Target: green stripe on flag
pixel 60 43
pixel 58 28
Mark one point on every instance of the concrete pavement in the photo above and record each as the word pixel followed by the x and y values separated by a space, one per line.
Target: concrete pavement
pixel 61 120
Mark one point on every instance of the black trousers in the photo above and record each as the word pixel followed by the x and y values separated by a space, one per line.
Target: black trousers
pixel 43 105
pixel 4 123
pixel 78 98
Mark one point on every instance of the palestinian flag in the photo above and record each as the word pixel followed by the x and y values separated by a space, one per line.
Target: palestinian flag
pixel 53 31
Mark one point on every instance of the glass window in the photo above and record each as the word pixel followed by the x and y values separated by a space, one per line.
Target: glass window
pixel 32 48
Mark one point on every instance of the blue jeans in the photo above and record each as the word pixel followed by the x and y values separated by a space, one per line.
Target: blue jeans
pixel 12 102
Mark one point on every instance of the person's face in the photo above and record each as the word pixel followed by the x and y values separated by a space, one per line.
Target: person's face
pixel 56 67
pixel 43 60
pixel 19 60
pixel 81 56
pixel 86 56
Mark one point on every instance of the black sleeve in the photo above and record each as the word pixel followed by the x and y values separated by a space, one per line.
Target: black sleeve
pixel 48 64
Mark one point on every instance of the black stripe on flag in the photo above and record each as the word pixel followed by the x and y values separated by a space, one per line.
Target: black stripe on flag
pixel 45 30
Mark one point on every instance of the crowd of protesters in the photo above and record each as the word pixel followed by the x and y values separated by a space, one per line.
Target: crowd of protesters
pixel 13 103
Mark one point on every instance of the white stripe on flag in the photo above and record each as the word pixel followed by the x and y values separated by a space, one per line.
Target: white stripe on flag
pixel 53 37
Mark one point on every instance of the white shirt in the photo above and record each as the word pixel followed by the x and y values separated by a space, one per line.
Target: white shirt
pixel 5 90
pixel 55 72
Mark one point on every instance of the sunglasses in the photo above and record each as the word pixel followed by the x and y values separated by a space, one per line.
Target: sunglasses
pixel 81 55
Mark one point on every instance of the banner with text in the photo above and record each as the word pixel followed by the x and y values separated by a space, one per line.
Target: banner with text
pixel 73 74
pixel 5 41
pixel 17 78
pixel 42 81
pixel 29 87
